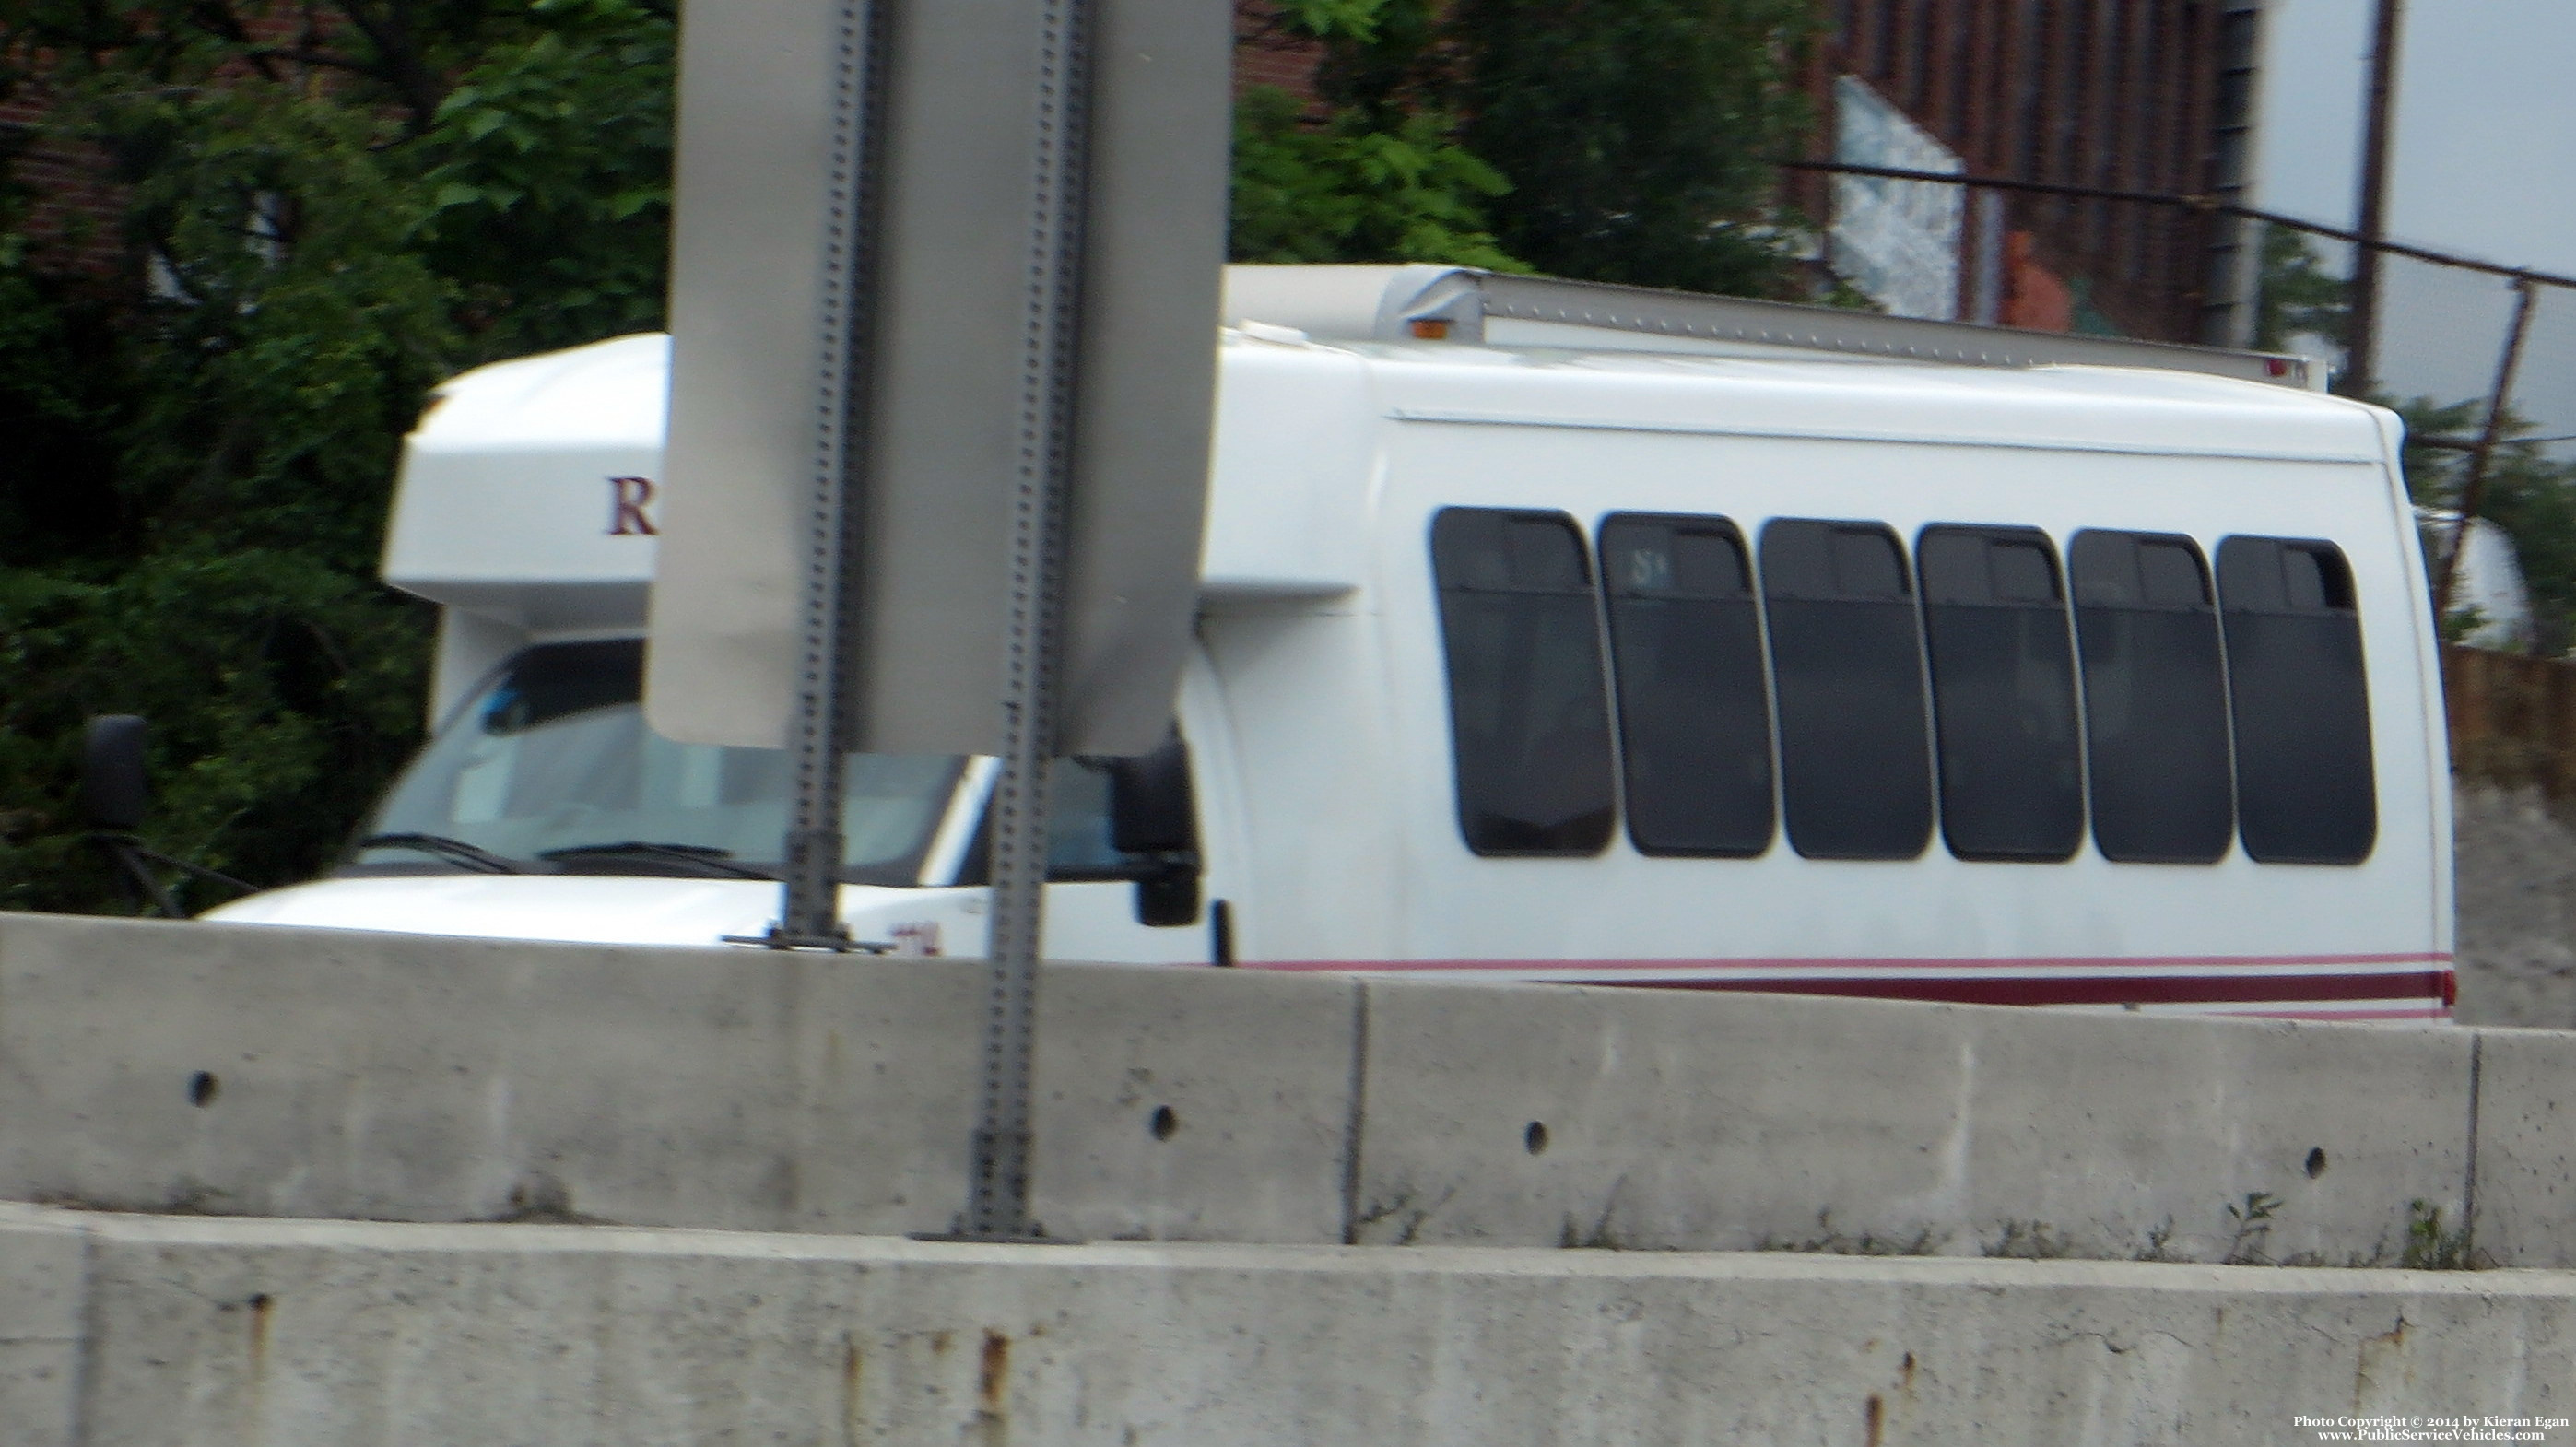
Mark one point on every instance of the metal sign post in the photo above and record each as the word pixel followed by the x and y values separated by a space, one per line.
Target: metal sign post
pixel 997 1190
pixel 944 310
pixel 821 727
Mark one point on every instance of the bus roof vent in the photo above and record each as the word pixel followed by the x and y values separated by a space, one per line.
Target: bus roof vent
pixel 1462 304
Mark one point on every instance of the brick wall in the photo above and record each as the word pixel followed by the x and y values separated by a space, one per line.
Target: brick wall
pixel 1264 57
pixel 74 211
pixel 2114 93
pixel 72 208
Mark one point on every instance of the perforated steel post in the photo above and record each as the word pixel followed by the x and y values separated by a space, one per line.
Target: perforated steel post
pixel 998 1183
pixel 822 725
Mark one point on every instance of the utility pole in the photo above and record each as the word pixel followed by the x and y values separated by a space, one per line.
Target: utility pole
pixel 2473 490
pixel 2361 374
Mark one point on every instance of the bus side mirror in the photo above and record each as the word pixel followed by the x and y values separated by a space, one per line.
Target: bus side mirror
pixel 1153 813
pixel 1169 895
pixel 113 790
pixel 1151 809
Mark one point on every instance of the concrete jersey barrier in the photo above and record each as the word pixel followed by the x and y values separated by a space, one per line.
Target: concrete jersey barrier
pixel 294 1072
pixel 215 1333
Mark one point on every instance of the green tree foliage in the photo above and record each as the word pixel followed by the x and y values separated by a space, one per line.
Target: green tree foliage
pixel 1612 140
pixel 2530 496
pixel 1340 190
pixel 2297 295
pixel 2534 500
pixel 332 204
pixel 338 204
pixel 1638 135
pixel 1367 175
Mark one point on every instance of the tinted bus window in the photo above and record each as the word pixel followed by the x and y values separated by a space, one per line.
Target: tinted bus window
pixel 2003 693
pixel 2304 789
pixel 1529 716
pixel 2155 706
pixel 1694 711
pixel 1847 666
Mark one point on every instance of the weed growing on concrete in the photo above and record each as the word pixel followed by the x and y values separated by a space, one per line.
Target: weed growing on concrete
pixel 1400 1209
pixel 1830 1242
pixel 190 1197
pixel 1601 1235
pixel 2159 1243
pixel 540 1199
pixel 2430 1248
pixel 2030 1241
pixel 2253 1223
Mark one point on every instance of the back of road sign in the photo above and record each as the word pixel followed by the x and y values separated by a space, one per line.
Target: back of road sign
pixel 939 429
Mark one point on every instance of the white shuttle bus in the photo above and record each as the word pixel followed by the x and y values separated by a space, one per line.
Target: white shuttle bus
pixel 1560 632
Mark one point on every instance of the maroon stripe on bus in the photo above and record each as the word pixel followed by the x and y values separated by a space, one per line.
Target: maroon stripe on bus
pixel 2167 963
pixel 2133 990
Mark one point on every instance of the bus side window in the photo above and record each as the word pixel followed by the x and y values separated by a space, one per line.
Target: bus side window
pixel 2003 693
pixel 1847 666
pixel 1528 710
pixel 1694 708
pixel 2155 706
pixel 2304 787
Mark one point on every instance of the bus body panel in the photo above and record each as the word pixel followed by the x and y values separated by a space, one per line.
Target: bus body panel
pixel 1318 713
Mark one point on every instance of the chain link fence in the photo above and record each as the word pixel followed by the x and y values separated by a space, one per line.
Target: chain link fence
pixel 2479 357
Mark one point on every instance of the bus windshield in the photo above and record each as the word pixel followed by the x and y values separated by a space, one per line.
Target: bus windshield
pixel 551 769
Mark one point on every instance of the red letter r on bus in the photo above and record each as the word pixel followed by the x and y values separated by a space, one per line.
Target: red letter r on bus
pixel 627 499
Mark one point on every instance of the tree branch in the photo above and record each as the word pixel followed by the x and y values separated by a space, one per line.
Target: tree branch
pixel 309 55
pixel 219 19
pixel 406 70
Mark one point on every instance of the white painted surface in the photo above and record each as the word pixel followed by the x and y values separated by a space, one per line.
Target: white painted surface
pixel 599 909
pixel 1330 827
pixel 505 507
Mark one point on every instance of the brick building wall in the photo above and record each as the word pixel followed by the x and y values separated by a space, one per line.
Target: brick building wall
pixel 73 209
pixel 1262 56
pixel 2134 95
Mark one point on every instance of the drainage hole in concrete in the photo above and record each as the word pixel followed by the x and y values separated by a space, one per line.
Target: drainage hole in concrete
pixel 1164 1123
pixel 202 1087
pixel 2316 1162
pixel 1535 1137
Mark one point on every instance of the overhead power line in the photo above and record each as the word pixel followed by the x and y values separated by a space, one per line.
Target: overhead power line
pixel 2190 202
